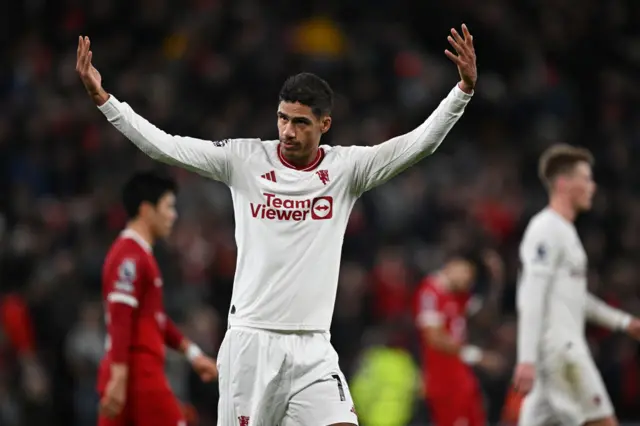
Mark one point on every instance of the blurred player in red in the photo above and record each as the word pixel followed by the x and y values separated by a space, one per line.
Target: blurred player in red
pixel 452 391
pixel 17 327
pixel 133 388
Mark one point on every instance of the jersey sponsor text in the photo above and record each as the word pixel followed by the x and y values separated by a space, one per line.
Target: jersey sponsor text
pixel 277 208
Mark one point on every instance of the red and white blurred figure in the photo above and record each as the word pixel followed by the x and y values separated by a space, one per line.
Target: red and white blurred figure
pixel 441 305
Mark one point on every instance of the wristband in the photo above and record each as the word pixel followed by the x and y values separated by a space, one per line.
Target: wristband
pixel 471 354
pixel 192 352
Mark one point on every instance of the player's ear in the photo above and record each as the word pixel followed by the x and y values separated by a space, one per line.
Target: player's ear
pixel 145 208
pixel 325 124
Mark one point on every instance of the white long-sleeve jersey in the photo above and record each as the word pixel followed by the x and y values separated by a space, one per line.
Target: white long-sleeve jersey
pixel 553 300
pixel 290 222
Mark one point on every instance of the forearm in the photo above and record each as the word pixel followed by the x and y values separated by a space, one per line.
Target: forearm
pixel 407 149
pixel 119 372
pixel 443 342
pixel 193 154
pixel 120 330
pixel 173 337
pixel 377 164
pixel 154 142
pixel 605 315
pixel 100 97
pixel 427 137
pixel 531 302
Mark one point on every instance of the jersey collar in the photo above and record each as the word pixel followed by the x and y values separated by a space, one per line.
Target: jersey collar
pixel 315 163
pixel 133 235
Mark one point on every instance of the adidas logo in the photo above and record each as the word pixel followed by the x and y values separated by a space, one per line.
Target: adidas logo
pixel 270 176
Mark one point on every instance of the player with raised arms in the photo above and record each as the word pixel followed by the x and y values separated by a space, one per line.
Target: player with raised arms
pixel 292 199
pixel 555 368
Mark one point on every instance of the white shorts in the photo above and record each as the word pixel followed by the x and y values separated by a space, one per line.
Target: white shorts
pixel 568 391
pixel 272 378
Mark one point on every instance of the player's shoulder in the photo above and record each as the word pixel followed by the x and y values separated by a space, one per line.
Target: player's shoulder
pixel 428 286
pixel 123 246
pixel 429 296
pixel 341 151
pixel 547 222
pixel 241 146
pixel 545 236
pixel 127 261
pixel 126 251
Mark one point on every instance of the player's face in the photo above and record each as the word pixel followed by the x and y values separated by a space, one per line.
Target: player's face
pixel 165 215
pixel 581 186
pixel 461 275
pixel 299 131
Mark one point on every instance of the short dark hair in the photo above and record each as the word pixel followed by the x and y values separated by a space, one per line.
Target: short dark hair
pixel 474 257
pixel 144 187
pixel 561 159
pixel 310 90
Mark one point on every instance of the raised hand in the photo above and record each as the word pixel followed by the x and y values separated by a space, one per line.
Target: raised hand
pixel 89 75
pixel 464 58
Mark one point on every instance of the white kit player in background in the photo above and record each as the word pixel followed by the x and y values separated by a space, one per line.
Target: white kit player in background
pixel 292 199
pixel 555 368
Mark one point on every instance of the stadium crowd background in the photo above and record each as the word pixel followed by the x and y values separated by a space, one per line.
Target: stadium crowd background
pixel 550 71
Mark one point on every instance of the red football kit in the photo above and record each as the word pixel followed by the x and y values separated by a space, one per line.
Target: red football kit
pixel 454 395
pixel 137 331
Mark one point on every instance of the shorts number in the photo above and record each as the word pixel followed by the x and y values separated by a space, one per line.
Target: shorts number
pixel 340 387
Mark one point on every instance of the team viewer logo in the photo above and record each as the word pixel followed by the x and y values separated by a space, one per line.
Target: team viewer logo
pixel 322 208
pixel 292 209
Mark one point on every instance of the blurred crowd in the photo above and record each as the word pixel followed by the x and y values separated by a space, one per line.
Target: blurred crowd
pixel 550 71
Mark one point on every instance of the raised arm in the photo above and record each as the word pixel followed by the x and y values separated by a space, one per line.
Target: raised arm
pixel 377 164
pixel 210 159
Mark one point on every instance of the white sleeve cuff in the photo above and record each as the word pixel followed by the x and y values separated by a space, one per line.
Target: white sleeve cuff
pixel 471 355
pixel 430 319
pixel 462 95
pixel 193 352
pixel 110 109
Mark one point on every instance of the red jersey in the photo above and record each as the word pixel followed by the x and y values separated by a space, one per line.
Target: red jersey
pixel 137 327
pixel 435 306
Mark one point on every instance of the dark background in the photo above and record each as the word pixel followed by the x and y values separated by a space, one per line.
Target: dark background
pixel 550 71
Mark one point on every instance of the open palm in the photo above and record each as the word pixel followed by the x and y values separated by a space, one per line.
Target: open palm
pixel 91 78
pixel 465 56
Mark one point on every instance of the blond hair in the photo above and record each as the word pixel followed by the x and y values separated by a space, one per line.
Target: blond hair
pixel 561 159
